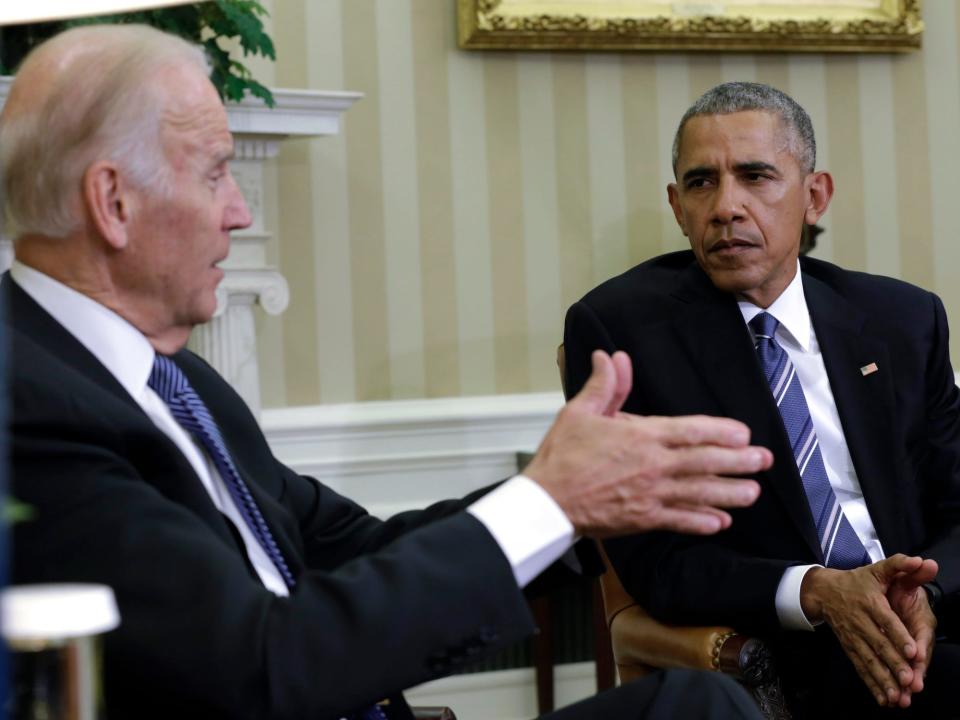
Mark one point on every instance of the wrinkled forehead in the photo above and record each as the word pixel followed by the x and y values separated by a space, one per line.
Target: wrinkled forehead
pixel 193 121
pixel 744 136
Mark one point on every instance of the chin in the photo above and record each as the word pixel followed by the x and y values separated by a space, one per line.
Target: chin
pixel 732 281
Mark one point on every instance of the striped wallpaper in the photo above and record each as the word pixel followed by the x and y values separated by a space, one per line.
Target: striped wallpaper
pixel 433 247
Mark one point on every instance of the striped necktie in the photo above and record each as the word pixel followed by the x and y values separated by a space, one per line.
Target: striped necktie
pixel 169 382
pixel 839 542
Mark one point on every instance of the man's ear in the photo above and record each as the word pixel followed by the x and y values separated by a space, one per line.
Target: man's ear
pixel 108 201
pixel 820 191
pixel 673 197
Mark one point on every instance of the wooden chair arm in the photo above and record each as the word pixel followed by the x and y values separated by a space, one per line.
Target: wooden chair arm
pixel 641 644
pixel 639 639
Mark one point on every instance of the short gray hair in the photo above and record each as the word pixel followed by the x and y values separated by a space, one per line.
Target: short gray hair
pixel 100 104
pixel 734 97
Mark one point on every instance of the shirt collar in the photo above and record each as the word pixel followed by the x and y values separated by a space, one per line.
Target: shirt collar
pixel 117 344
pixel 790 310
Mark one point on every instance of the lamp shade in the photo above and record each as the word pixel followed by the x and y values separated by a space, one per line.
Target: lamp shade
pixel 17 11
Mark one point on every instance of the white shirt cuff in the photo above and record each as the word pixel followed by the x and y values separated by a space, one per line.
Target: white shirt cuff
pixel 789 610
pixel 527 524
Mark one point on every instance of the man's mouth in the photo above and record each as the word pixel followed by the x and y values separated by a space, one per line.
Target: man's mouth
pixel 731 246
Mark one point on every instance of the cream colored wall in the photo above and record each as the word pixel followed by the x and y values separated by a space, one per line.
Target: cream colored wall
pixel 433 248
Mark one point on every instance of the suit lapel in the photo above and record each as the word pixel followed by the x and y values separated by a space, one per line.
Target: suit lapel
pixel 90 378
pixel 865 403
pixel 711 330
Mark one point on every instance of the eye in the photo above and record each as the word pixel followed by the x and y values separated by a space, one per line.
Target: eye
pixel 696 183
pixel 756 177
pixel 216 176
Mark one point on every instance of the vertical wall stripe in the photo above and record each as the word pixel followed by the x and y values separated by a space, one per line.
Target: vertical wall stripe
pixel 367 255
pixel 846 156
pixel 271 345
pixel 605 137
pixel 471 220
pixel 295 230
pixel 401 223
pixel 774 70
pixel 541 236
pixel 877 139
pixel 573 176
pixel 269 328
pixel 738 67
pixel 507 259
pixel 705 72
pixel 943 123
pixel 913 164
pixel 673 98
pixel 329 215
pixel 646 194
pixel 431 44
pixel 808 82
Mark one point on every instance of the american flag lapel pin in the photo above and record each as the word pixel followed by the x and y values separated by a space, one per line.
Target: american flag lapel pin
pixel 868 369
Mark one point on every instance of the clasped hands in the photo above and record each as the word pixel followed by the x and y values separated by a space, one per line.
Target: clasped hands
pixel 882 618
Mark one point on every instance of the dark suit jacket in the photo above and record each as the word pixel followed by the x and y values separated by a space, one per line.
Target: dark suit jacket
pixel 378 606
pixel 692 353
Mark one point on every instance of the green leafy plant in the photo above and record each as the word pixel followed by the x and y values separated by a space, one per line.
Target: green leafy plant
pixel 214 25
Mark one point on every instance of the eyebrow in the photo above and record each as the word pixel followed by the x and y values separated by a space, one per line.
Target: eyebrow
pixel 756 166
pixel 704 171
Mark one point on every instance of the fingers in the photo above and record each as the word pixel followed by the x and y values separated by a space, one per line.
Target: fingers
pixel 927 572
pixel 596 394
pixel 708 490
pixel 693 520
pixel 892 642
pixel 624 374
pixel 878 663
pixel 698 430
pixel 713 460
pixel 887 570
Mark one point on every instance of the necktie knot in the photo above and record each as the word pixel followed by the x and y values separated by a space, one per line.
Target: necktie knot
pixel 764 325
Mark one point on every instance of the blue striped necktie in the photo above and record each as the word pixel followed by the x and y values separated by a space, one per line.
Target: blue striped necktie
pixel 169 382
pixel 839 542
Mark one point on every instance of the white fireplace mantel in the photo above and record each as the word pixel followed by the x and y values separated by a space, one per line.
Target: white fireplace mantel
pixel 228 341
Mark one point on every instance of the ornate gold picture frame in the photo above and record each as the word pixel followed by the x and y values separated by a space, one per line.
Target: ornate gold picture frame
pixel 744 25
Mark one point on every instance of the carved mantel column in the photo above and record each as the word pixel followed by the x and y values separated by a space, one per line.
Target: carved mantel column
pixel 228 341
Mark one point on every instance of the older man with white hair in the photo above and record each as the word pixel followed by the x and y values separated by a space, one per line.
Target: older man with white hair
pixel 247 591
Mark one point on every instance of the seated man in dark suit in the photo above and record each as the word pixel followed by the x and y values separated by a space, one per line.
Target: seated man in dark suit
pixel 845 376
pixel 247 591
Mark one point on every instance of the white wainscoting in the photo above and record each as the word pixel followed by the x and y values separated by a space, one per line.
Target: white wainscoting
pixel 398 455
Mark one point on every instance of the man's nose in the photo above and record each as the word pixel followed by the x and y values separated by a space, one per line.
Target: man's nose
pixel 237 215
pixel 727 203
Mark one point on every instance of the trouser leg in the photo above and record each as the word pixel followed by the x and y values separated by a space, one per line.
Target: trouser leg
pixel 667 695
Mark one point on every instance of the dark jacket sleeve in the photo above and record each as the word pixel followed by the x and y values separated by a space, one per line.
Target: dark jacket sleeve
pixel 378 606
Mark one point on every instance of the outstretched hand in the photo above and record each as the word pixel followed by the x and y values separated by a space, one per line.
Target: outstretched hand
pixel 613 473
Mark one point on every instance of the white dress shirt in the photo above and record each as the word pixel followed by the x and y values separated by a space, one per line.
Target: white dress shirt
pixel 796 336
pixel 526 523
